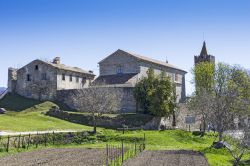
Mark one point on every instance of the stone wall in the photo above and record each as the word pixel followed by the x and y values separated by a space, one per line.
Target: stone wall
pixel 72 80
pixel 128 120
pixel 37 80
pixel 110 65
pixel 127 105
pixel 12 79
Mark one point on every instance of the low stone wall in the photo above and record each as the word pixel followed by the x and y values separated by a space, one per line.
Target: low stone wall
pixel 128 103
pixel 129 120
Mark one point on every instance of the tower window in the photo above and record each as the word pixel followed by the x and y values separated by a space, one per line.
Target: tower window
pixel 28 77
pixel 70 78
pixel 77 79
pixel 63 77
pixel 36 67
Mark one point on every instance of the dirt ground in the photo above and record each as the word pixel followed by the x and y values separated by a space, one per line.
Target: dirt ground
pixel 168 158
pixel 56 157
pixel 96 157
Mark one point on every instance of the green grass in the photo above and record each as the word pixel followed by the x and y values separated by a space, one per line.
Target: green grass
pixel 181 140
pixel 28 115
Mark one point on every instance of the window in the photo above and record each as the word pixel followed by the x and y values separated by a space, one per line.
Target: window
pixel 63 77
pixel 119 69
pixel 83 80
pixel 44 76
pixel 77 79
pixel 36 67
pixel 70 78
pixel 176 78
pixel 28 77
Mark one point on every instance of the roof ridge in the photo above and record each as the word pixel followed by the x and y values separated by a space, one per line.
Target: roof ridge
pixel 159 62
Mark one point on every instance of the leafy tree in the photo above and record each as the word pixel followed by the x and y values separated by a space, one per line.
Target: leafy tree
pixel 143 89
pixel 155 94
pixel 204 76
pixel 204 82
pixel 224 101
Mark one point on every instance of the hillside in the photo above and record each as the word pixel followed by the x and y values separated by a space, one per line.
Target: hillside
pixel 29 115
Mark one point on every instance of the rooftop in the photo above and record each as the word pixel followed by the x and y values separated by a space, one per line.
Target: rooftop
pixel 146 59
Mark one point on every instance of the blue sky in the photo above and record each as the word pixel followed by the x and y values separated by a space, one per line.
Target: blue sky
pixel 83 32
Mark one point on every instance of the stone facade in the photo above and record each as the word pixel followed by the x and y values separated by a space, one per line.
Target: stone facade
pixel 126 69
pixel 41 80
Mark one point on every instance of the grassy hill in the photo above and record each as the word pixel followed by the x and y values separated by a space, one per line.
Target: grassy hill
pixel 28 115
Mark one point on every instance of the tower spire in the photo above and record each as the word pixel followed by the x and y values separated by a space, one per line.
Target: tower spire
pixel 204 49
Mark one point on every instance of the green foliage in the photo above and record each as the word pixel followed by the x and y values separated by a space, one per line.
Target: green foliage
pixel 156 94
pixel 204 76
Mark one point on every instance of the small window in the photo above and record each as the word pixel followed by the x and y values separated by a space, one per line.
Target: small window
pixel 44 76
pixel 70 78
pixel 63 77
pixel 119 69
pixel 77 79
pixel 176 78
pixel 36 67
pixel 28 77
pixel 83 80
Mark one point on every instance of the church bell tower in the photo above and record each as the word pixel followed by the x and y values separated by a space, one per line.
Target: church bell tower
pixel 204 56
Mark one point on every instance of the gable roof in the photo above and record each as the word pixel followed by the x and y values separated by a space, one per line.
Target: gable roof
pixel 143 58
pixel 64 67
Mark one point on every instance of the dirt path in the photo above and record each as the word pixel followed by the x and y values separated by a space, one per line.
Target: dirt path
pixel 56 157
pixel 168 158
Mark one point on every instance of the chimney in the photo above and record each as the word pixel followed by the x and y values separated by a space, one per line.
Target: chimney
pixel 56 60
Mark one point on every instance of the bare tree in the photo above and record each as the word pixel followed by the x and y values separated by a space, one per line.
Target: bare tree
pixel 200 106
pixel 238 143
pixel 98 100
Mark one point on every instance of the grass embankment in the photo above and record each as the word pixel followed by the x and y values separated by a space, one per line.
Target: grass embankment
pixel 28 115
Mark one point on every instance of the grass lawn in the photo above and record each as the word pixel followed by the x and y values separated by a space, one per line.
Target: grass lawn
pixel 28 115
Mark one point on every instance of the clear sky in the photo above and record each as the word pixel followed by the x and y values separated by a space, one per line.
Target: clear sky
pixel 83 32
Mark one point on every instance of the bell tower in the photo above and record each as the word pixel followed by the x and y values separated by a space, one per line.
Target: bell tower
pixel 204 56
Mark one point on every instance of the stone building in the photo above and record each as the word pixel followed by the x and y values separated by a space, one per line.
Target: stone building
pixel 123 70
pixel 42 80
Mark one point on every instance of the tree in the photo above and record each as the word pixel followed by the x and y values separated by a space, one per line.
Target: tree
pixel 238 143
pixel 200 104
pixel 156 94
pixel 143 89
pixel 204 76
pixel 161 96
pixel 222 103
pixel 204 82
pixel 98 100
pixel 227 97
